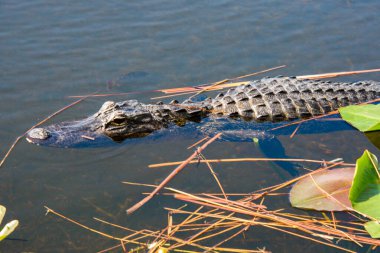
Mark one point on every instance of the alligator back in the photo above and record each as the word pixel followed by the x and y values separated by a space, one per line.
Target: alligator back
pixel 287 98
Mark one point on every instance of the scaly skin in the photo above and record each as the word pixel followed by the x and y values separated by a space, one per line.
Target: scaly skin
pixel 268 99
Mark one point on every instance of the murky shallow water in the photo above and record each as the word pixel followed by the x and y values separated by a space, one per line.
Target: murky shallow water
pixel 51 50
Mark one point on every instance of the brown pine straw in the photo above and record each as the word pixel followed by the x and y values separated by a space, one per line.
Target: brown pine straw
pixel 172 175
pixel 288 223
pixel 248 159
pixel 209 227
pixel 38 124
pixel 265 224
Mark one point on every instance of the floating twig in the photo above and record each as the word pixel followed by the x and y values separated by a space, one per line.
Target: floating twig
pixel 253 159
pixel 172 175
pixel 337 74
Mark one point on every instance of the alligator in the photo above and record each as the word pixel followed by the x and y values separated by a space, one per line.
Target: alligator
pixel 276 99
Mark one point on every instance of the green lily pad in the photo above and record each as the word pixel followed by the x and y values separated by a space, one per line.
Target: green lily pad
pixel 365 190
pixel 373 228
pixel 363 117
pixel 324 191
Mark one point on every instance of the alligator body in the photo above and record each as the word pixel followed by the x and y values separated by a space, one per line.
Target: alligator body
pixel 269 99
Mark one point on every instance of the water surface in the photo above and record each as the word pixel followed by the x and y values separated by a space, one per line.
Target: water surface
pixel 50 50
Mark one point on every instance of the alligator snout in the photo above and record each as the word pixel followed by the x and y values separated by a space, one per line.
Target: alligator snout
pixel 37 134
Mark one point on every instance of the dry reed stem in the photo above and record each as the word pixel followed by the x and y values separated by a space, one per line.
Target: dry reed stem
pixel 209 87
pixel 188 219
pixel 189 90
pixel 216 194
pixel 109 94
pixel 218 233
pixel 305 120
pixel 49 210
pixel 258 159
pixel 275 226
pixel 340 203
pixel 219 83
pixel 295 224
pixel 212 86
pixel 245 228
pixel 174 95
pixel 198 142
pixel 333 219
pixel 309 238
pixel 291 181
pixel 215 176
pixel 337 74
pixel 208 202
pixel 231 237
pixel 172 175
pixel 295 131
pixel 192 238
pixel 329 195
pixel 144 234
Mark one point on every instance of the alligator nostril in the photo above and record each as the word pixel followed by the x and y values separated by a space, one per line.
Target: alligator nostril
pixel 39 133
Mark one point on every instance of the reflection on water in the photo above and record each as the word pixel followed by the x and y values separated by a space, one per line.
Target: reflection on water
pixel 52 50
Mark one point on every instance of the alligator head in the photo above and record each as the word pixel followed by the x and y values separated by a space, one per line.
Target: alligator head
pixel 117 121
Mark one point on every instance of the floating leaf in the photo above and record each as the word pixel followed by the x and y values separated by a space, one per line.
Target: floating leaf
pixel 373 228
pixel 363 117
pixel 8 229
pixel 2 213
pixel 324 191
pixel 365 190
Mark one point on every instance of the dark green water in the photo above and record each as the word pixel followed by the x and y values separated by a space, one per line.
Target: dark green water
pixel 50 50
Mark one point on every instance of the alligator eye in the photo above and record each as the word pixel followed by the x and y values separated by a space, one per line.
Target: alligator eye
pixel 118 121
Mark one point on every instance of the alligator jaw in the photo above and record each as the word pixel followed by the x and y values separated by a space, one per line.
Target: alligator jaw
pixel 113 122
pixel 69 134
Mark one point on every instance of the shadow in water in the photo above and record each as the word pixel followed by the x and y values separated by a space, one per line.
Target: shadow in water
pixel 374 138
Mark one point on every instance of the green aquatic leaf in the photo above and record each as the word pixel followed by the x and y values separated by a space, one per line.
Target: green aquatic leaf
pixel 2 213
pixel 373 228
pixel 8 229
pixel 363 117
pixel 365 190
pixel 324 191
